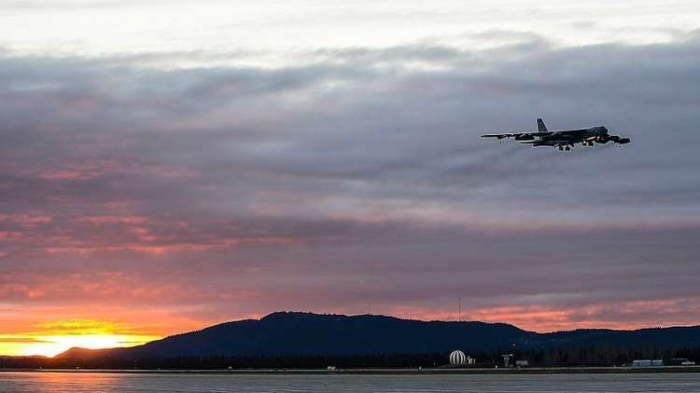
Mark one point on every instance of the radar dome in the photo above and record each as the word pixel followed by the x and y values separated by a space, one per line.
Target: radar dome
pixel 458 357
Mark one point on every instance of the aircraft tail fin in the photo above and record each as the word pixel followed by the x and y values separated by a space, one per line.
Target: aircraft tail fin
pixel 540 126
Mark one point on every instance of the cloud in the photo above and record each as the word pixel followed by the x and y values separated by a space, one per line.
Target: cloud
pixel 358 176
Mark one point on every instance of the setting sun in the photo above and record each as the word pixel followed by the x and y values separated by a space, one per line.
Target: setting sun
pixel 53 345
pixel 53 338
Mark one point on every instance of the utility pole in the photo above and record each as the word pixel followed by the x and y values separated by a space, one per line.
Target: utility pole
pixel 459 315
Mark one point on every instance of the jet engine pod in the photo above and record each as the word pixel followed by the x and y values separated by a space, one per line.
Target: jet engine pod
pixel 623 141
pixel 602 139
pixel 524 138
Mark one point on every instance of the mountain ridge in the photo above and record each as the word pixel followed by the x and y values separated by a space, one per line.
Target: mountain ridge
pixel 291 333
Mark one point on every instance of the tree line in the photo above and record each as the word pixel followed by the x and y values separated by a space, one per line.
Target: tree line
pixel 596 355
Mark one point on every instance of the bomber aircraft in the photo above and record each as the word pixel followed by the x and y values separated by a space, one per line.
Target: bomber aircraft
pixel 563 139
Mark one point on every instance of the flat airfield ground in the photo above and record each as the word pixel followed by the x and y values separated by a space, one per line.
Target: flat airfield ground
pixel 392 371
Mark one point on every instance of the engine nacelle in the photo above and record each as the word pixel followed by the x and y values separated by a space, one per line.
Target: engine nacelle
pixel 524 138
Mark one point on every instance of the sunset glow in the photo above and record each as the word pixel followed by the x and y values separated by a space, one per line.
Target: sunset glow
pixel 53 345
pixel 55 337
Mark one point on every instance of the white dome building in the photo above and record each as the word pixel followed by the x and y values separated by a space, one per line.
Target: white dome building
pixel 457 358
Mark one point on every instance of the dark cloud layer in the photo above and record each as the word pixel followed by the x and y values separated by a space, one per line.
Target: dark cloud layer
pixel 356 177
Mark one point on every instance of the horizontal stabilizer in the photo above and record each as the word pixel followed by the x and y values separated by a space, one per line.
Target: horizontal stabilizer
pixel 499 136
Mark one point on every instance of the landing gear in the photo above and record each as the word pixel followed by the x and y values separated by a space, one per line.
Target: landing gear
pixel 567 148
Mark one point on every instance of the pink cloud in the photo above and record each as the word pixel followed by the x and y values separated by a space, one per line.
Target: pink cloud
pixel 128 220
pixel 27 220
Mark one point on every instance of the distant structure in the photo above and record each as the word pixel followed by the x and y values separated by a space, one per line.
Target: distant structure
pixel 647 363
pixel 506 359
pixel 459 312
pixel 458 358
pixel 522 363
pixel 681 362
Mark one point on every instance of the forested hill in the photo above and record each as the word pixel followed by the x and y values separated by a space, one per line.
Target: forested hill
pixel 293 333
pixel 307 334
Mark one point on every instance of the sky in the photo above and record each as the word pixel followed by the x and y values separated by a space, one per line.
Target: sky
pixel 168 165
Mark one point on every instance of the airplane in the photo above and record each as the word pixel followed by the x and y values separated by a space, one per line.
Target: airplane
pixel 564 139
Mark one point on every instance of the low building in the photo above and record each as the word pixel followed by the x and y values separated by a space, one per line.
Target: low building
pixel 647 363
pixel 522 363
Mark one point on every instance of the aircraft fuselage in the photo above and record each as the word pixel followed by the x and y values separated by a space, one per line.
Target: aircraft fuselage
pixel 563 139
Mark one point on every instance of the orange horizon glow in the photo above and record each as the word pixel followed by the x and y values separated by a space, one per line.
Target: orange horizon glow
pixel 51 346
pixel 55 337
pixel 52 337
